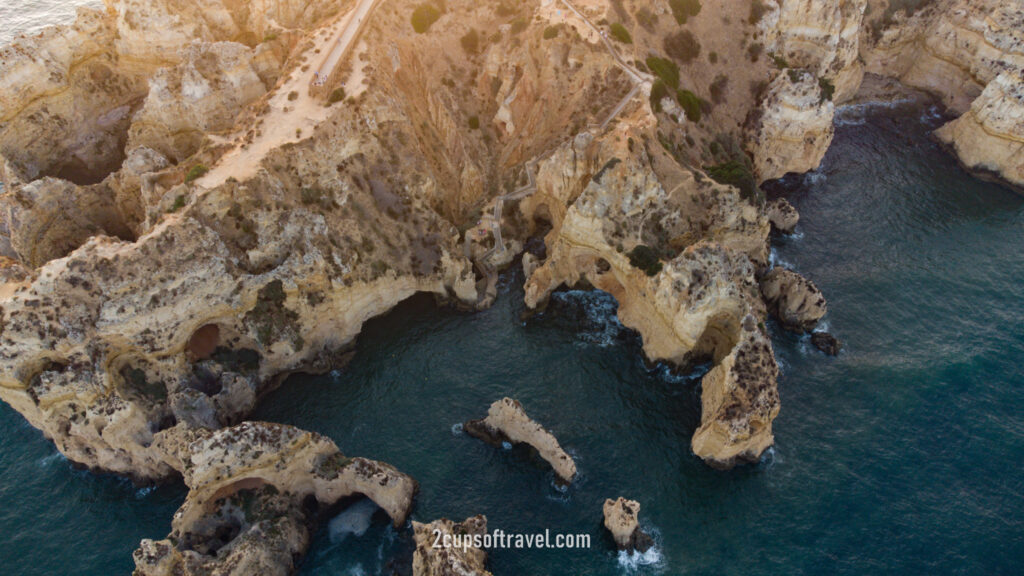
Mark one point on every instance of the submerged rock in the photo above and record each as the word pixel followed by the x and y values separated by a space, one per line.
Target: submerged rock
pixel 794 300
pixel 621 518
pixel 782 215
pixel 460 559
pixel 827 343
pixel 506 421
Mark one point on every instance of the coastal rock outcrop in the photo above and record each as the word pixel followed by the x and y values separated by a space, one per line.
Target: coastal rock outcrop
pixel 826 342
pixel 794 126
pixel 255 491
pixel 794 300
pixel 782 215
pixel 506 421
pixel 679 253
pixel 456 560
pixel 968 53
pixel 622 519
pixel 820 36
pixel 739 401
pixel 989 138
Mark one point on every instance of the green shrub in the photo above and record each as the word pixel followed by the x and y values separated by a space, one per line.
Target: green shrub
pixel 550 32
pixel 620 33
pixel 423 17
pixel 691 104
pixel 336 96
pixel 780 62
pixel 474 122
pixel 646 18
pixel 665 69
pixel 683 9
pixel 735 173
pixel 293 96
pixel 179 203
pixel 713 57
pixel 645 258
pixel 518 25
pixel 757 11
pixel 828 89
pixel 270 37
pixel 196 172
pixel 754 51
pixel 658 91
pixel 683 46
pixel 718 88
pixel 471 41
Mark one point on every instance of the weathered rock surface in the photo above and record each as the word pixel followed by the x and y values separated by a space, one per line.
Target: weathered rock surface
pixel 694 296
pixel 202 94
pixel 795 127
pixel 254 492
pixel 969 53
pixel 449 561
pixel 794 300
pixel 506 421
pixel 622 519
pixel 820 36
pixel 826 342
pixel 989 138
pixel 65 103
pixel 782 215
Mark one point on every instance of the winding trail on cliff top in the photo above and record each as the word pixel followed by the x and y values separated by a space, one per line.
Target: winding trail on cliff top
pixel 289 121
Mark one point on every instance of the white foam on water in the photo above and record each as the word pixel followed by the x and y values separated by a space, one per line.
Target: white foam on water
pixel 857 114
pixel 775 260
pixel 457 429
pixel 602 321
pixel 141 493
pixel 49 461
pixel 506 445
pixel 815 178
pixel 354 520
pixel 631 562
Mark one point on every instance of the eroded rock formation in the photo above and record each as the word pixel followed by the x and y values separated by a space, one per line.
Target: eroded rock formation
pixel 255 491
pixel 461 560
pixel 782 215
pixel 622 519
pixel 506 421
pixel 794 300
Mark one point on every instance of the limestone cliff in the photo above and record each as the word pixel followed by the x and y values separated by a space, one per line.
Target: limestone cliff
pixel 989 138
pixel 202 94
pixel 794 127
pixel 970 54
pixel 677 251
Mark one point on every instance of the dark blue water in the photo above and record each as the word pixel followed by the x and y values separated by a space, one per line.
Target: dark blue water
pixel 903 455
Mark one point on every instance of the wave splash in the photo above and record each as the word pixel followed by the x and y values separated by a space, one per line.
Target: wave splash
pixel 354 520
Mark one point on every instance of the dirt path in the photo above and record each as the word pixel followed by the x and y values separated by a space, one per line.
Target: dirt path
pixel 293 113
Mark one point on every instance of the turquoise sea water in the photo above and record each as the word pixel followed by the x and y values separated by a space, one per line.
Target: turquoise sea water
pixel 901 456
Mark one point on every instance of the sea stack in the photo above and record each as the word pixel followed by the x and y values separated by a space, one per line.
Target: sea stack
pixel 506 421
pixel 622 519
